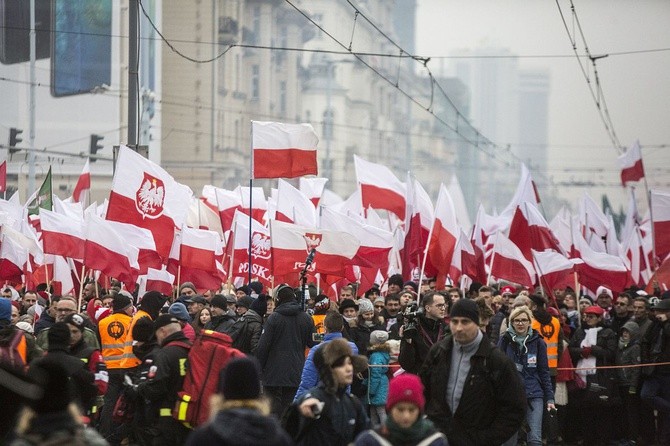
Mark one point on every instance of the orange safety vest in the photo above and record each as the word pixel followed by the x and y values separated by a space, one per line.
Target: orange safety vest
pixel 23 349
pixel 115 334
pixel 550 333
pixel 129 359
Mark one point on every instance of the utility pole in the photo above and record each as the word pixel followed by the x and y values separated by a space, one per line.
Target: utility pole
pixel 31 112
pixel 133 80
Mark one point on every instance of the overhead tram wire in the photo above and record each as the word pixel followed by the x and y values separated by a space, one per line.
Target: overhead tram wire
pixel 597 94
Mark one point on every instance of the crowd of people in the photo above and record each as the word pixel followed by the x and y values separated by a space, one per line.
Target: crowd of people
pixel 490 365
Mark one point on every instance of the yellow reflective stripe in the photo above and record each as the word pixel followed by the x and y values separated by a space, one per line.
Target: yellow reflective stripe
pixel 94 409
pixel 165 412
pixel 117 357
pixel 183 407
pixel 84 360
pixel 110 346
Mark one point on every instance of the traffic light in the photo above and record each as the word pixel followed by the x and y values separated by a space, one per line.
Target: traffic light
pixel 14 140
pixel 95 146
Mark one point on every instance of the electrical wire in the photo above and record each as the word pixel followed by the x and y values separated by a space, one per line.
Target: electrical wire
pixel 597 94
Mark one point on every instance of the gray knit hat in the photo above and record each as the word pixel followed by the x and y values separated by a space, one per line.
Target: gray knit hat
pixel 365 306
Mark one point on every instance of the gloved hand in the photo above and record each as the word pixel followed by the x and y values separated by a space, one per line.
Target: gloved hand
pixel 586 352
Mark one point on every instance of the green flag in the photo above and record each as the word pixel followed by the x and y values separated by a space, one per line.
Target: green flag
pixel 43 199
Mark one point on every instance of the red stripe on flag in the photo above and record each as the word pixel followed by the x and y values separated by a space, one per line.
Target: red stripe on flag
pixel 380 198
pixel 634 173
pixel 284 163
pixel 61 244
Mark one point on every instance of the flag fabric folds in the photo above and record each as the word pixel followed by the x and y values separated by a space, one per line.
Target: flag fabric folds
pixel 660 214
pixel 379 188
pixel 283 150
pixel 630 161
pixel 83 186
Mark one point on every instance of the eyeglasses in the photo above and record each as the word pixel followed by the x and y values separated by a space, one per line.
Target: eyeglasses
pixel 441 306
pixel 520 321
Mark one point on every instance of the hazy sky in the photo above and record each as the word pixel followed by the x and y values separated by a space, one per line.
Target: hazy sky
pixel 636 86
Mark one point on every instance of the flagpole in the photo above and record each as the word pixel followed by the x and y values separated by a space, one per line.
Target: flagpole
pixel 493 256
pixel 425 255
pixel 46 275
pixel 653 233
pixel 232 253
pixel 81 287
pixel 539 281
pixel 251 190
pixel 639 240
pixel 176 290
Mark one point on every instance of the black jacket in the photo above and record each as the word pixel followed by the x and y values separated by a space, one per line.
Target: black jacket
pixel 240 427
pixel 170 364
pixel 655 347
pixel 221 324
pixel 281 349
pixel 246 332
pixel 360 334
pixel 415 345
pixel 45 321
pixel 493 404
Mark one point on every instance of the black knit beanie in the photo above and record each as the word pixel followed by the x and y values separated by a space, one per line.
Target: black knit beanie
pixel 143 330
pixel 59 336
pixel 54 380
pixel 241 379
pixel 465 308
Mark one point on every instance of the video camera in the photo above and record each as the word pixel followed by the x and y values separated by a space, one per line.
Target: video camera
pixel 410 316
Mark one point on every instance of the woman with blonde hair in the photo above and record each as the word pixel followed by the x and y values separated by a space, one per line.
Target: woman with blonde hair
pixel 527 349
pixel 240 416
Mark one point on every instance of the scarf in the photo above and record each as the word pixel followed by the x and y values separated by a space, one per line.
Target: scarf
pixel 520 339
pixel 421 429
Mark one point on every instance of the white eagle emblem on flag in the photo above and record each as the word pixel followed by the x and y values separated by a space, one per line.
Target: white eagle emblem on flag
pixel 150 197
pixel 312 240
pixel 260 246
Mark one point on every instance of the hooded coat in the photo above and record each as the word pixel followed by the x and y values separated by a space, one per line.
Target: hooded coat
pixel 629 354
pixel 281 348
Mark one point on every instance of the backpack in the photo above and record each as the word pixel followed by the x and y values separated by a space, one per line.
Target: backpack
pixel 208 356
pixel 9 352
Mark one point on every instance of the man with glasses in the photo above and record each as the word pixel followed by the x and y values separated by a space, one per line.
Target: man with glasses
pixel 622 312
pixel 66 306
pixel 421 333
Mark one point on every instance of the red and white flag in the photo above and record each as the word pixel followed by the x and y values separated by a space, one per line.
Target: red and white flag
pixel 375 243
pixel 592 218
pixel 598 268
pixel 508 263
pixel 237 251
pixel 141 239
pixel 3 177
pixel 200 249
pixel 293 206
pixel 283 150
pixel 202 215
pixel 419 218
pixel 145 195
pixel 108 252
pixel 444 233
pixel 380 189
pixel 554 269
pixel 83 186
pixel 13 257
pixel 464 261
pixel 630 161
pixel 202 279
pixel 226 202
pixel 291 244
pixel 62 275
pixel 256 197
pixel 62 235
pixel 313 188
pixel 158 280
pixel 660 214
pixel 529 230
pixel 525 191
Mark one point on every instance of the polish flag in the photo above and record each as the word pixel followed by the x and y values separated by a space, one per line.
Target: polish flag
pixel 444 233
pixel 508 263
pixel 529 230
pixel 202 279
pixel 597 269
pixel 630 161
pixel 464 261
pixel 259 204
pixel 83 186
pixel 141 239
pixel 660 213
pixel 525 191
pixel 202 215
pixel 313 188
pixel 107 251
pixel 419 218
pixel 226 202
pixel 13 257
pixel 62 235
pixel 662 276
pixel 200 249
pixel 634 252
pixel 3 177
pixel 560 227
pixel 293 206
pixel 457 197
pixel 283 150
pixel 379 188
pixel 375 243
pixel 592 218
pixel 237 250
pixel 145 195
pixel 291 244
pixel 157 280
pixel 554 269
pixel 62 275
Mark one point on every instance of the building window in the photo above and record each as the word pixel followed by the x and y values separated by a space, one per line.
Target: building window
pixel 255 81
pixel 282 97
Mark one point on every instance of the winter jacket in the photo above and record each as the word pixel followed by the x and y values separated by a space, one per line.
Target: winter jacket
pixel 281 349
pixel 380 437
pixel 221 324
pixel 531 363
pixel 378 381
pixel 45 321
pixel 341 420
pixel 360 334
pixel 240 427
pixel 629 354
pixel 246 332
pixel 604 350
pixel 414 346
pixel 493 403
pixel 496 322
pixel 58 428
pixel 656 347
pixel 310 375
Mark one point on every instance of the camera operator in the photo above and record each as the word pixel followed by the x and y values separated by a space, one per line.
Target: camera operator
pixel 421 330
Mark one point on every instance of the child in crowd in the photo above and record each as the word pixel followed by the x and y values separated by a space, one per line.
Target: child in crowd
pixel 405 423
pixel 378 382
